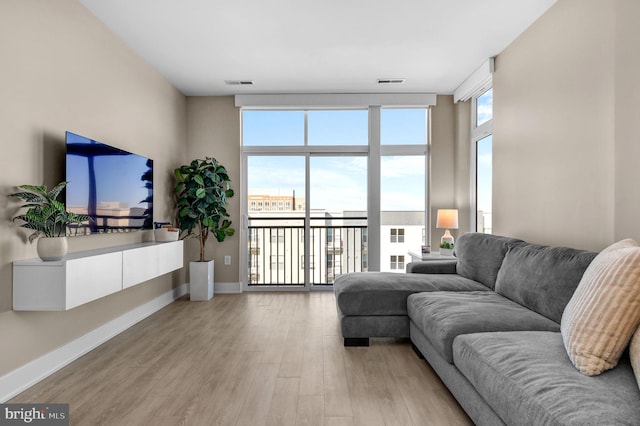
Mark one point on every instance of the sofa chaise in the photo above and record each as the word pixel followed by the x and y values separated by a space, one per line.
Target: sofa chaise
pixel 489 324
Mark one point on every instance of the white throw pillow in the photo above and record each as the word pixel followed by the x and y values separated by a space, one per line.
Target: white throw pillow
pixel 604 311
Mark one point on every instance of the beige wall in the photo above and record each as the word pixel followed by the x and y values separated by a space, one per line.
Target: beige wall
pixel 213 129
pixel 462 166
pixel 63 70
pixel 627 120
pixel 443 161
pixel 553 128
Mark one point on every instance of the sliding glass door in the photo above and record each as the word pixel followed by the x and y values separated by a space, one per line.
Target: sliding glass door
pixel 338 217
pixel 276 214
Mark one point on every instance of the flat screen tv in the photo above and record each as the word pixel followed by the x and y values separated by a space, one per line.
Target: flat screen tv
pixel 114 187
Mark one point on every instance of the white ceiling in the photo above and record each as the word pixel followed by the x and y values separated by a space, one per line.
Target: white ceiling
pixel 321 46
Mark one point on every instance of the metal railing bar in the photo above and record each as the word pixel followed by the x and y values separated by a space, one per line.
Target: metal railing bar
pixel 334 250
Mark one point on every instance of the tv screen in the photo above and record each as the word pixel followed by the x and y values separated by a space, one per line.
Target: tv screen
pixel 114 187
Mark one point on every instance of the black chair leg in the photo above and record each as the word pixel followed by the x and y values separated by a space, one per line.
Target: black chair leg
pixel 356 341
pixel 417 351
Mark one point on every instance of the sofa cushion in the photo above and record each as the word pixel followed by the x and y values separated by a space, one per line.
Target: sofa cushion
pixel 604 311
pixel 542 278
pixel 480 256
pixel 634 354
pixel 441 316
pixel 526 378
pixel 432 267
pixel 385 293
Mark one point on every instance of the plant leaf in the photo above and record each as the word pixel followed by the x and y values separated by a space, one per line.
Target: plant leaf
pixel 53 194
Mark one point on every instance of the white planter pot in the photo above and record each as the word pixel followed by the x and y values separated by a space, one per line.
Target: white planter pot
pixel 446 252
pixel 201 280
pixel 52 248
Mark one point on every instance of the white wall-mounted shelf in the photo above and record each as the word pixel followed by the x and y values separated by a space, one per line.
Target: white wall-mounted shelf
pixel 89 275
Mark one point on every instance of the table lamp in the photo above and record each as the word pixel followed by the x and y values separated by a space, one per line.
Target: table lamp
pixel 447 219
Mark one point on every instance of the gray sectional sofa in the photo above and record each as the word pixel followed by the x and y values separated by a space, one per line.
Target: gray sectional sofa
pixel 489 324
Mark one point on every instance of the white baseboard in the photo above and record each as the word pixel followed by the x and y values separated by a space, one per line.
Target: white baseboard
pixel 20 379
pixel 227 288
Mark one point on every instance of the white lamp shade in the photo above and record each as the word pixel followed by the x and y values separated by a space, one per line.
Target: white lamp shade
pixel 447 219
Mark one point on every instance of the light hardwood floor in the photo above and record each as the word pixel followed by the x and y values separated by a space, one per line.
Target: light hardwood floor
pixel 249 359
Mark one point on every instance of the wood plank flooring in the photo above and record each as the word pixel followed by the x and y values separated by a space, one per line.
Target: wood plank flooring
pixel 248 359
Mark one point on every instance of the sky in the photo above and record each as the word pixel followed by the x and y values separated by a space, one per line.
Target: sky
pixel 484 154
pixel 339 183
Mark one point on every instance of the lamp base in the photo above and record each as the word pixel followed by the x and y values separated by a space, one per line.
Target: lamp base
pixel 447 237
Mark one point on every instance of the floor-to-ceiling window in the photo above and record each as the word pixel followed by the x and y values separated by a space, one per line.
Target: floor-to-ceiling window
pixel 403 171
pixel 482 140
pixel 317 180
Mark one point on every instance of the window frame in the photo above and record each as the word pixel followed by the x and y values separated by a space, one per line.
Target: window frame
pixel 374 151
pixel 477 133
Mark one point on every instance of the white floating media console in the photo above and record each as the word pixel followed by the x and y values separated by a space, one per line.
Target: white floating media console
pixel 89 275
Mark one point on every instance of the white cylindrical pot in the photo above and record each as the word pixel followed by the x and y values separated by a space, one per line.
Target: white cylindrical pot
pixel 201 280
pixel 52 248
pixel 446 252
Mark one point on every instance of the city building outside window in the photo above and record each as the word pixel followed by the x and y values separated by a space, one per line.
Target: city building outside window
pixel 329 235
pixel 277 261
pixel 397 262
pixel 329 261
pixel 277 235
pixel 397 235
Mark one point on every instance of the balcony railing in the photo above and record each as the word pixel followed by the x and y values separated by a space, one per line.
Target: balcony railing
pixel 277 257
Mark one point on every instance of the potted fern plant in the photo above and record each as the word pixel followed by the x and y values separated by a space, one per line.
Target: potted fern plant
pixel 202 191
pixel 48 218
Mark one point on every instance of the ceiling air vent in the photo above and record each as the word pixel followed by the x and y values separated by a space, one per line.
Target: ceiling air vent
pixel 390 80
pixel 238 82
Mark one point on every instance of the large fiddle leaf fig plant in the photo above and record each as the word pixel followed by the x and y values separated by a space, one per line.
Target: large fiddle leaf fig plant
pixel 202 191
pixel 45 215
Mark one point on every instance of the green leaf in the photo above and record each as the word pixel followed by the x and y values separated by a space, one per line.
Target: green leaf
pixel 45 214
pixel 28 196
pixel 201 194
pixel 39 189
pixel 57 205
pixel 53 194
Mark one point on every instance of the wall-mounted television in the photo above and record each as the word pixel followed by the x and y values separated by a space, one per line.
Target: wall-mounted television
pixel 114 187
